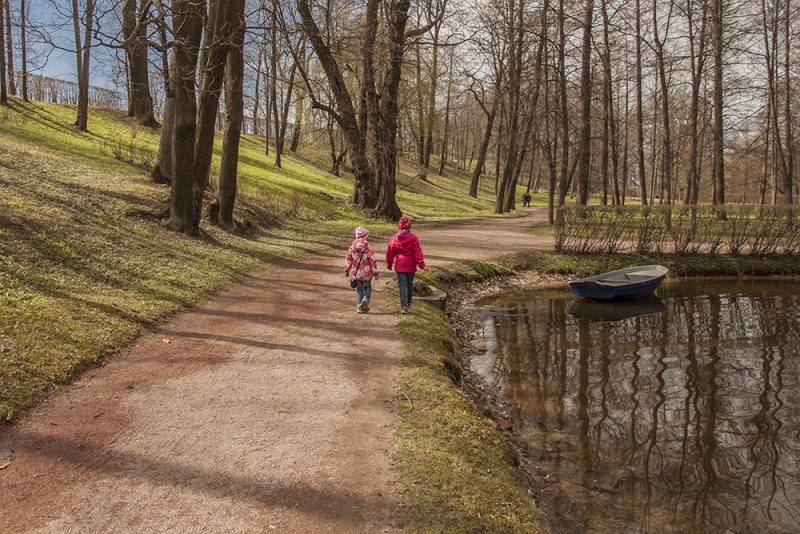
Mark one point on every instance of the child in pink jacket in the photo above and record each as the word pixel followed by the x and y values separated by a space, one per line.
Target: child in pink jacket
pixel 360 264
pixel 406 254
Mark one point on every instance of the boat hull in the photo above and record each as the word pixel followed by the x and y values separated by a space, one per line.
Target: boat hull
pixel 631 283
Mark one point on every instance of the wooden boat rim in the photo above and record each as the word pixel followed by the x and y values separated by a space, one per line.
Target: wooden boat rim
pixel 601 278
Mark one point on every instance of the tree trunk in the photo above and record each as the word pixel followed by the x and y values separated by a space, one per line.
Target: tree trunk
pixel 640 108
pixel 364 194
pixel 134 29
pixel 484 148
pixel 216 44
pixel 697 56
pixel 234 114
pixel 514 93
pixel 431 116
pixel 257 94
pixel 563 182
pixel 23 43
pixel 586 101
pixel 609 121
pixel 3 81
pixel 719 133
pixel 280 139
pixel 385 128
pixel 665 107
pixel 418 130
pixel 83 50
pixel 299 107
pixel 788 183
pixel 162 171
pixel 273 84
pixel 12 85
pixel 445 136
pixel 184 201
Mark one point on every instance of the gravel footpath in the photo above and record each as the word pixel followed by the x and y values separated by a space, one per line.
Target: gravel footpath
pixel 269 409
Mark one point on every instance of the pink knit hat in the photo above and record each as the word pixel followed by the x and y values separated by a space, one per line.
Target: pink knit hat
pixel 361 232
pixel 404 223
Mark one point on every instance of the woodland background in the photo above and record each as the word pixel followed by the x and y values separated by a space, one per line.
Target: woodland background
pixel 662 102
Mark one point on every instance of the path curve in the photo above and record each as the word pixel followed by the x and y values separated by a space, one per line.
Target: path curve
pixel 268 409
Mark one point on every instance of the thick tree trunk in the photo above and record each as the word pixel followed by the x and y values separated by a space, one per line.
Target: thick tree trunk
pixel 386 127
pixel 134 30
pixel 234 114
pixel 184 200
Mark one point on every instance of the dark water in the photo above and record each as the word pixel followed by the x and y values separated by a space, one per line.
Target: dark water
pixel 682 420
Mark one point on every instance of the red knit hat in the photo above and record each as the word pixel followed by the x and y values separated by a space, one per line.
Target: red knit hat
pixel 404 223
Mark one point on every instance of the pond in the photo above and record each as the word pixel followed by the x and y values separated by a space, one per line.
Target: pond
pixel 679 413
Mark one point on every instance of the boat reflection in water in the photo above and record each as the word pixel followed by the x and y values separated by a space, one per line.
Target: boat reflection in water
pixel 600 310
pixel 682 420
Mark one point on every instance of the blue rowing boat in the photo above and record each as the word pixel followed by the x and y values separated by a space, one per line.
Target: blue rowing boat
pixel 630 283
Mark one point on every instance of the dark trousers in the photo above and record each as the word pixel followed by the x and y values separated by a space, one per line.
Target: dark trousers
pixel 406 283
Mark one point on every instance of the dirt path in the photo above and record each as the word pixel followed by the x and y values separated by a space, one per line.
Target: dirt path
pixel 268 409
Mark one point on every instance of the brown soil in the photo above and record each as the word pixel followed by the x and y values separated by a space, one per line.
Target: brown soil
pixel 268 409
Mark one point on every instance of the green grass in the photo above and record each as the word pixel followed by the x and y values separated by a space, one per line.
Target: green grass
pixel 459 475
pixel 86 261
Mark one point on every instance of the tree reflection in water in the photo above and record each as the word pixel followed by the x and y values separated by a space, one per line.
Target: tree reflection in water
pixel 684 420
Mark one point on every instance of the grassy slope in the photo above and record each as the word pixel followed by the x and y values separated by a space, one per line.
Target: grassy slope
pixel 86 265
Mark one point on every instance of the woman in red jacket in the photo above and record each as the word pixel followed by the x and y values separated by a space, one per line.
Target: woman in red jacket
pixel 406 254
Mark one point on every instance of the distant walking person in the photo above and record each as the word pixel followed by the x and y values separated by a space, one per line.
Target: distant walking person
pixel 360 265
pixel 406 254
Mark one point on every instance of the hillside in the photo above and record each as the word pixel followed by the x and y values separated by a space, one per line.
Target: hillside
pixel 86 262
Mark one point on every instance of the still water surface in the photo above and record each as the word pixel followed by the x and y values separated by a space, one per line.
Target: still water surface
pixel 683 420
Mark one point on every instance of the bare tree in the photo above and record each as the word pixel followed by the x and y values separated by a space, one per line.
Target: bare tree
pixel 83 20
pixel 719 131
pixel 3 81
pixel 23 43
pixel 787 109
pixel 134 29
pixel 640 108
pixel 665 100
pixel 697 56
pixel 491 114
pixel 187 29
pixel 12 86
pixel 216 45
pixel 234 113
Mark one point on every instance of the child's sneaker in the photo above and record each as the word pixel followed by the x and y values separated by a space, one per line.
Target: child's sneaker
pixel 404 310
pixel 365 305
